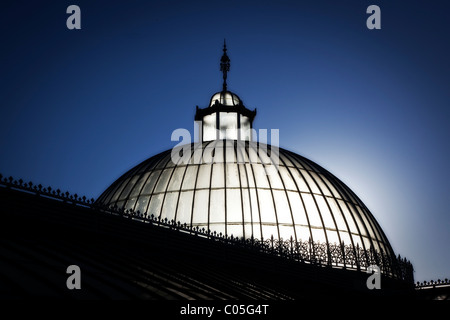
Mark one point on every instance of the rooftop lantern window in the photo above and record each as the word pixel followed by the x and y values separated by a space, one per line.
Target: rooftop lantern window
pixel 226 117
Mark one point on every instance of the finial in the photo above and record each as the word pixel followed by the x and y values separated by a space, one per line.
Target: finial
pixel 224 65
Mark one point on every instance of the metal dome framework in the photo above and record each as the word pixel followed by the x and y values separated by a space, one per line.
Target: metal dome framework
pixel 229 192
pixel 225 187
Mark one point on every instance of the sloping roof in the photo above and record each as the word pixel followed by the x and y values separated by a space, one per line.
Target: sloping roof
pixel 121 258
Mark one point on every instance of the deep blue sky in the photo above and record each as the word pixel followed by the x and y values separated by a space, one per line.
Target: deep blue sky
pixel 80 107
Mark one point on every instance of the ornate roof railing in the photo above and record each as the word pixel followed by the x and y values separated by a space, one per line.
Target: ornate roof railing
pixel 433 284
pixel 45 192
pixel 338 255
pixel 342 255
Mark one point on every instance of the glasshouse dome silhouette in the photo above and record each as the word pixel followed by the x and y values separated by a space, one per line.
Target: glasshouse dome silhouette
pixel 232 186
pixel 223 218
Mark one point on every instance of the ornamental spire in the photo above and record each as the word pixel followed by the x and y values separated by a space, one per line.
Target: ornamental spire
pixel 224 65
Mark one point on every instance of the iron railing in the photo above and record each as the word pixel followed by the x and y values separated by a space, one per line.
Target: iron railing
pixel 433 284
pixel 338 255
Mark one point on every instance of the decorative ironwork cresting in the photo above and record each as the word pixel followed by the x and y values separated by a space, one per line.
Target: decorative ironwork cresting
pixel 338 255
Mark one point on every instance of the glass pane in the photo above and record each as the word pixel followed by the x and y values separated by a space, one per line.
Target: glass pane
pixel 310 182
pixel 311 210
pixel 219 228
pixel 286 232
pixel 301 184
pixel 189 177
pixel 322 185
pixel 164 161
pixel 119 190
pixel 141 204
pixel 351 196
pixel 367 242
pixel 255 206
pixel 340 222
pixel 128 187
pixel 150 166
pixel 204 176
pixel 120 204
pixel 228 125
pixel 234 206
pixel 185 207
pixel 252 154
pixel 260 176
pixel 243 175
pixel 257 231
pixel 149 185
pixel 282 206
pixel 241 153
pixel 333 237
pixel 367 223
pixel 130 203
pixel 305 164
pixel 345 237
pixel 348 217
pixel 264 154
pixel 137 188
pixel 170 163
pixel 331 187
pixel 155 205
pixel 217 206
pixel 245 128
pixel 275 181
pixel 228 99
pixel 143 167
pixel 197 154
pixel 200 215
pixel 285 160
pixel 359 223
pixel 235 230
pixel 269 231
pixel 287 179
pixel 357 240
pixel 248 231
pixel 175 180
pixel 246 206
pixel 297 209
pixel 303 233
pixel 208 154
pixel 218 152
pixel 163 179
pixel 325 212
pixel 209 127
pixel 214 98
pixel 266 206
pixel 217 176
pixel 169 207
pixel 295 161
pixel 342 190
pixel 318 235
pixel 232 175
pixel 230 153
pixel 250 178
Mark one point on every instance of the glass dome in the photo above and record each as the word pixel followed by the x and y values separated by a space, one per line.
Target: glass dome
pixel 224 187
pixel 226 98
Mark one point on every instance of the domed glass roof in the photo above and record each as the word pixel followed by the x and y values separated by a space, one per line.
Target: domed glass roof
pixel 224 187
pixel 226 98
